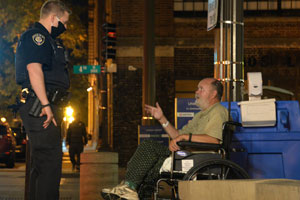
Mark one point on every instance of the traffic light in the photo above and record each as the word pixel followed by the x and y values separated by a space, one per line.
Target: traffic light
pixel 103 68
pixel 109 41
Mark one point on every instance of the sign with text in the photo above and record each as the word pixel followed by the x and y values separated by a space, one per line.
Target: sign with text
pixel 156 133
pixel 86 69
pixel 186 108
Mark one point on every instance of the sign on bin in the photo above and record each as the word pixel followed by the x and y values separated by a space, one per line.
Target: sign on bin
pixel 156 133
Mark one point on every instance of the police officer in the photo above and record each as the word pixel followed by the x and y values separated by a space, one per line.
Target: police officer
pixel 76 139
pixel 41 69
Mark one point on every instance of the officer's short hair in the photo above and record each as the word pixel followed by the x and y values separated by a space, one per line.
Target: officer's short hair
pixel 53 6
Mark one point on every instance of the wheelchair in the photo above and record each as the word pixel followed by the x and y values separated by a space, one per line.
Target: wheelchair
pixel 196 161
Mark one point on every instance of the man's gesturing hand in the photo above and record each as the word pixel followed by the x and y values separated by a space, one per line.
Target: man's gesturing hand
pixel 50 118
pixel 155 112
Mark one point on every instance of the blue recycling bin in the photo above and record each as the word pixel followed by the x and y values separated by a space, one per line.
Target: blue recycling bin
pixel 265 152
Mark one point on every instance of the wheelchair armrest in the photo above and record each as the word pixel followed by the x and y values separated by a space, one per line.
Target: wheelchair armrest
pixel 199 145
pixel 232 123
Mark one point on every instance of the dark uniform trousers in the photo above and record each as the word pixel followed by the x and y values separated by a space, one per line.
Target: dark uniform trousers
pixel 46 154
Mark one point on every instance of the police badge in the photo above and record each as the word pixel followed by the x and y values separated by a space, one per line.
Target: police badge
pixel 38 39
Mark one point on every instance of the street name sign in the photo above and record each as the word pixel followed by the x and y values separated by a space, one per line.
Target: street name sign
pixel 86 69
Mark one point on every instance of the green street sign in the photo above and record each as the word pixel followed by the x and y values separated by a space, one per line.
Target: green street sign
pixel 86 69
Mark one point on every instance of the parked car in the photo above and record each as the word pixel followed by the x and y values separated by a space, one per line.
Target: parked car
pixel 20 135
pixel 7 145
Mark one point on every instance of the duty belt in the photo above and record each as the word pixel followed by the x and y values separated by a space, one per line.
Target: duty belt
pixel 25 94
pixel 55 96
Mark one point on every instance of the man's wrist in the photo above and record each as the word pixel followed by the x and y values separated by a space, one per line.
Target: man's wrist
pixel 163 120
pixel 165 125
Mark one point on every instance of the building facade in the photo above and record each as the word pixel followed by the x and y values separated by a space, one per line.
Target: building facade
pixel 184 54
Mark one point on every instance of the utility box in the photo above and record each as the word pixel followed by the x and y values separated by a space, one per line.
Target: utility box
pixel 258 113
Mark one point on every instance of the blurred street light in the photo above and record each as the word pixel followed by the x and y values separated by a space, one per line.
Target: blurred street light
pixel 89 89
pixel 3 119
pixel 69 114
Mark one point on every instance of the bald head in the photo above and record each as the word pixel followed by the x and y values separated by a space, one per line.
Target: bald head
pixel 209 92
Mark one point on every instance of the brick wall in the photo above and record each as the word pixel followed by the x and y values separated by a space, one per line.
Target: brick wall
pixel 279 66
pixel 272 47
pixel 193 63
pixel 127 112
pixel 128 102
pixel 129 18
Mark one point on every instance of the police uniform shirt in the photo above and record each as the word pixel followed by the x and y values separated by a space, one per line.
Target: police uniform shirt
pixel 34 47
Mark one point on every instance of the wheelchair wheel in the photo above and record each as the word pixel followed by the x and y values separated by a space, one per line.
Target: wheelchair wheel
pixel 216 169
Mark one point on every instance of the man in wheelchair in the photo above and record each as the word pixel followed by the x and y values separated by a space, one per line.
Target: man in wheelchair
pixel 205 127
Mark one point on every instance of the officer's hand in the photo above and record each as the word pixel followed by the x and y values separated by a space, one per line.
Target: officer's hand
pixel 47 111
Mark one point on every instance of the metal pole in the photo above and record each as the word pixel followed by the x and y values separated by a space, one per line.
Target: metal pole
pixel 149 60
pixel 109 83
pixel 110 108
pixel 103 94
pixel 230 54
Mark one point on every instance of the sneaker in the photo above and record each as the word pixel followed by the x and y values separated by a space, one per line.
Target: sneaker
pixel 121 191
pixel 107 193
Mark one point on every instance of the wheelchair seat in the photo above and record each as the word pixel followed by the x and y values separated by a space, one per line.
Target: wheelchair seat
pixel 191 163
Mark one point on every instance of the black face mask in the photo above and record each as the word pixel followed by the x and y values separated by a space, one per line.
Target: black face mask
pixel 56 31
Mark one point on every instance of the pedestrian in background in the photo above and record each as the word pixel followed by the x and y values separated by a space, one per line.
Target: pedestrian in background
pixel 41 71
pixel 76 139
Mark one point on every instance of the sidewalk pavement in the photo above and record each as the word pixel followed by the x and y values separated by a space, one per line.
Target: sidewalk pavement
pixel 12 183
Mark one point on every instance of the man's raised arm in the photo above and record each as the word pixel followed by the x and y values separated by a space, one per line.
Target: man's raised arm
pixel 158 114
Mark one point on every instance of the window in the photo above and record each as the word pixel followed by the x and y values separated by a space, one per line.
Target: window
pixel 290 4
pixel 190 5
pixel 192 8
pixel 260 5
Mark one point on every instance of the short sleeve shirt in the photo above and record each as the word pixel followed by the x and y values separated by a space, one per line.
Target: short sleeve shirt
pixel 36 46
pixel 208 122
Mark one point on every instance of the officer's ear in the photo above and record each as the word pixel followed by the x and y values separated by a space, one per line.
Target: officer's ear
pixel 52 18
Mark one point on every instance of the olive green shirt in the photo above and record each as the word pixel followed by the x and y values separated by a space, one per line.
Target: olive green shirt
pixel 209 122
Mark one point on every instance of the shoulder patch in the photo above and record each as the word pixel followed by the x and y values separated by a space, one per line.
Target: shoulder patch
pixel 38 39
